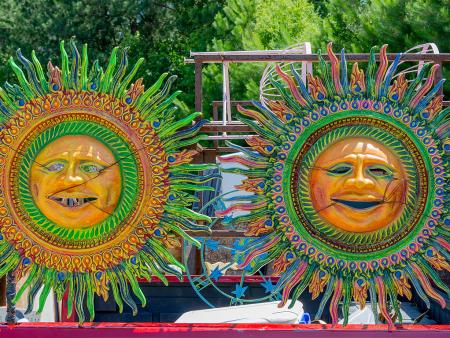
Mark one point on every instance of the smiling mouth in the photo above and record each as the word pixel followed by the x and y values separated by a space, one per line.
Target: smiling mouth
pixel 360 205
pixel 70 202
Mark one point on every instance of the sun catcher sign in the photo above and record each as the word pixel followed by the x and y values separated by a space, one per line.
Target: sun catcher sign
pixel 350 183
pixel 94 187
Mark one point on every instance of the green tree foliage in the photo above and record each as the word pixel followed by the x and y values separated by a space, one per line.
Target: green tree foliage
pixel 359 25
pixel 163 32
pixel 402 24
pixel 41 24
pixel 256 25
pixel 164 39
pixel 356 25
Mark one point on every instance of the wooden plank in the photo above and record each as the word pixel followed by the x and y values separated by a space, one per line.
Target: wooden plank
pixel 226 137
pixel 233 127
pixel 234 103
pixel 219 57
pixel 218 233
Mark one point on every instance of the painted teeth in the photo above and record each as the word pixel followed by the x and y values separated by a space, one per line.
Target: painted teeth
pixel 72 202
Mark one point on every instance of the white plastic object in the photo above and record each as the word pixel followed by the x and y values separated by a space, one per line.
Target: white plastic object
pixel 259 313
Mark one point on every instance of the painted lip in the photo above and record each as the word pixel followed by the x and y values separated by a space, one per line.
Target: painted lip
pixel 359 205
pixel 72 202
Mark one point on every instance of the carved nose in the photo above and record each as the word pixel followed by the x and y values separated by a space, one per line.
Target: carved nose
pixel 359 180
pixel 73 175
pixel 73 179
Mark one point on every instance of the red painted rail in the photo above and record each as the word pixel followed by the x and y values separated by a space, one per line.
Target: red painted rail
pixel 163 330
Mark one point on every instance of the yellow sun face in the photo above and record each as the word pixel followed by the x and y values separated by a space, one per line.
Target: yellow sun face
pixel 358 185
pixel 74 182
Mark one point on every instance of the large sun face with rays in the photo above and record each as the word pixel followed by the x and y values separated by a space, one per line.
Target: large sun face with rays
pixel 75 181
pixel 358 185
pixel 348 176
pixel 93 190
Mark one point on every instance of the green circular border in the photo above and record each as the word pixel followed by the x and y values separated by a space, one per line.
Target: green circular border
pixel 306 133
pixel 128 169
pixel 336 135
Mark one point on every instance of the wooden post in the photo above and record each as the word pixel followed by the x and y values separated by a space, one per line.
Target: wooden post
pixel 439 76
pixel 3 291
pixel 198 85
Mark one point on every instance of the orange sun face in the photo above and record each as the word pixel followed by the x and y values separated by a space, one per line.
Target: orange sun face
pixel 74 182
pixel 358 185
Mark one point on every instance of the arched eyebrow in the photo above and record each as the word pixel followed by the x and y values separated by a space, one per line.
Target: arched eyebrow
pixel 352 160
pixel 390 170
pixel 54 156
pixel 44 166
pixel 94 160
pixel 80 158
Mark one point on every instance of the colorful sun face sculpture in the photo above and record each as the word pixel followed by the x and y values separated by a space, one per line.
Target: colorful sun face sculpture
pixel 349 178
pixel 93 178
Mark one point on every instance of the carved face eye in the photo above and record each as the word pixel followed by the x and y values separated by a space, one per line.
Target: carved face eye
pixel 55 166
pixel 340 169
pixel 379 171
pixel 91 168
